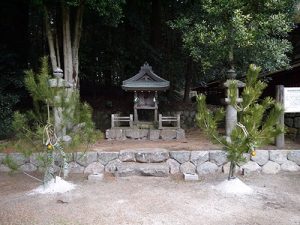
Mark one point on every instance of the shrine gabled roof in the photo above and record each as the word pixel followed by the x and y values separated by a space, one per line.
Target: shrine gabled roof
pixel 146 80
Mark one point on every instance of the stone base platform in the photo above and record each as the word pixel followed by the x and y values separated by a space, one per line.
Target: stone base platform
pixel 144 134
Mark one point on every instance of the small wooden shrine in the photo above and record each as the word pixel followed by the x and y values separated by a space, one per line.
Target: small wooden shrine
pixel 145 85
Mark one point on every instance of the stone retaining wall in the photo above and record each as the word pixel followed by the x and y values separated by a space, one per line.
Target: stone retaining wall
pixel 187 118
pixel 292 120
pixel 161 162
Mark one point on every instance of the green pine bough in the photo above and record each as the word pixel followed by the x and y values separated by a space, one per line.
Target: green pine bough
pixel 257 119
pixel 36 127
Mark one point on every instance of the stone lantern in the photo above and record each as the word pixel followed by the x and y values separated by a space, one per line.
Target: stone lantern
pixel 62 84
pixel 231 112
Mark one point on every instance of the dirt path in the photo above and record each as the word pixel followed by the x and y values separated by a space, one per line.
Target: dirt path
pixel 148 201
pixel 195 140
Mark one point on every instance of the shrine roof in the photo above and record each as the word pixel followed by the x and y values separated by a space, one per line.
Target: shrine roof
pixel 146 80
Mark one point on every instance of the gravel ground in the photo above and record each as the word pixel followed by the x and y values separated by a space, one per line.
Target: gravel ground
pixel 148 201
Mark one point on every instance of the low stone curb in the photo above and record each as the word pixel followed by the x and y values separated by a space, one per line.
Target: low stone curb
pixel 161 162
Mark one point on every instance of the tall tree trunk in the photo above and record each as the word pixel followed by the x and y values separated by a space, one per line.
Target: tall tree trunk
pixel 76 42
pixel 50 40
pixel 188 80
pixel 67 45
pixel 155 37
pixel 57 50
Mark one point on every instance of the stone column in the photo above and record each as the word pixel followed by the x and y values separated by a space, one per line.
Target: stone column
pixel 231 112
pixel 59 123
pixel 231 119
pixel 135 115
pixel 156 107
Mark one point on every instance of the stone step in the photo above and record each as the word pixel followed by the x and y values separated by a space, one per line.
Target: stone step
pixel 144 155
pixel 142 169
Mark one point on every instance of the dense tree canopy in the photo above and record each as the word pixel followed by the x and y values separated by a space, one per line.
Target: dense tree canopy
pixel 227 33
pixel 105 42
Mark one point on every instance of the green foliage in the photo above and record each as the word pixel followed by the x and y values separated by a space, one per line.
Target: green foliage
pixel 209 120
pixel 111 11
pixel 10 163
pixel 257 119
pixel 76 116
pixel 37 83
pixel 218 33
pixel 10 84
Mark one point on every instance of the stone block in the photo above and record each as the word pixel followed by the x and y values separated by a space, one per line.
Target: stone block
pixel 294 156
pixel 143 133
pixel 250 167
pixel 199 157
pixel 186 114
pixel 278 156
pixel 207 168
pixel 127 169
pixel 290 166
pixel 180 156
pixel 111 166
pixel 114 133
pixel 154 169
pixel 2 157
pixel 85 158
pixel 67 139
pixel 187 167
pixel 75 168
pixel 37 158
pixel 289 122
pixel 154 134
pixel 28 167
pixel 168 134
pixel 19 158
pixel 271 168
pixel 94 168
pixel 143 169
pixel 247 158
pixel 127 156
pixel 95 177
pixel 173 166
pixel 297 122
pixel 226 168
pixel 193 114
pixel 261 158
pixel 58 159
pixel 105 157
pixel 151 155
pixel 132 133
pixel 218 157
pixel 180 134
pixel 56 169
pixel 4 168
pixel 190 177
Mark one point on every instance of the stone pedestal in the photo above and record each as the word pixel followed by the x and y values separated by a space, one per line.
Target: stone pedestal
pixel 231 112
pixel 231 119
pixel 149 134
pixel 59 122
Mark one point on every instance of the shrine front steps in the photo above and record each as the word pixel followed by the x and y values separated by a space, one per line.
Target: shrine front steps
pixel 123 133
